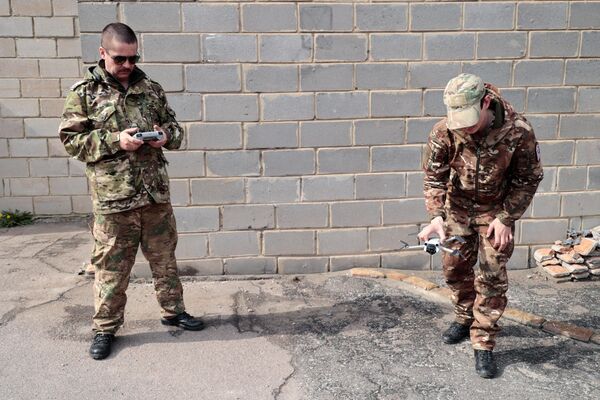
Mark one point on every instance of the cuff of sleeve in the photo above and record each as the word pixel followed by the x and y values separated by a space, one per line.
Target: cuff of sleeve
pixel 437 213
pixel 505 219
pixel 113 142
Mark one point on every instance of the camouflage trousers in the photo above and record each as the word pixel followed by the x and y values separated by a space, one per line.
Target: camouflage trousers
pixel 479 299
pixel 116 241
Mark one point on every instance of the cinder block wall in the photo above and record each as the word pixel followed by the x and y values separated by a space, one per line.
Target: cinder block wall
pixel 305 121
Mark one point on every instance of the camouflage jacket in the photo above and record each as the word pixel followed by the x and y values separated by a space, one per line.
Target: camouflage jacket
pixel 96 110
pixel 496 173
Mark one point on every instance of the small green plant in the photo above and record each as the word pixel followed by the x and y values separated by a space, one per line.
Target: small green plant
pixel 9 219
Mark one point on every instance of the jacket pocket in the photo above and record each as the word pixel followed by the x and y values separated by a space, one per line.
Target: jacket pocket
pixel 102 118
pixel 113 180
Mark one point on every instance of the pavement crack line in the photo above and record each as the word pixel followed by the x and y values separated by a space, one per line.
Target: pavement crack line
pixel 277 392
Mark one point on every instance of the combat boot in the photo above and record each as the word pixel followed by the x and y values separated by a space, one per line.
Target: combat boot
pixel 485 365
pixel 101 345
pixel 185 321
pixel 455 333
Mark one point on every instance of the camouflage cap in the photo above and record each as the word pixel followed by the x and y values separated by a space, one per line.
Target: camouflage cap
pixel 462 98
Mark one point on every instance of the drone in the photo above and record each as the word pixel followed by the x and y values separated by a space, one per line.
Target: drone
pixel 434 245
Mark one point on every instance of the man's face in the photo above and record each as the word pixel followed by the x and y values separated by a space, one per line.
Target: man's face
pixel 116 49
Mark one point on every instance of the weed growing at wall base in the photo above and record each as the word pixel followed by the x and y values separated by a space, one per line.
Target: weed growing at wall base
pixel 9 219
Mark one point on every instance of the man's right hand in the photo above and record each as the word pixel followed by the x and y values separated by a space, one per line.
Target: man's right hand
pixel 128 142
pixel 436 226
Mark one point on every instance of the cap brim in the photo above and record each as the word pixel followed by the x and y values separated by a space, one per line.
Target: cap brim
pixel 464 117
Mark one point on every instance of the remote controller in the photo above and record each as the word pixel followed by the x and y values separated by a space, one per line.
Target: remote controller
pixel 148 136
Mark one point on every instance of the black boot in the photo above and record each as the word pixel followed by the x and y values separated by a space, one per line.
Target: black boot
pixel 185 321
pixel 101 345
pixel 456 333
pixel 485 364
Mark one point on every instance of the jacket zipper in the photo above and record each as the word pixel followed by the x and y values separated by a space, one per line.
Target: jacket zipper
pixel 477 173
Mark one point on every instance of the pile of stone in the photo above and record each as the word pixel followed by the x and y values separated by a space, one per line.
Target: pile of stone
pixel 576 258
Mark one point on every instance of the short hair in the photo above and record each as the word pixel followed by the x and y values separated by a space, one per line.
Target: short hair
pixel 119 32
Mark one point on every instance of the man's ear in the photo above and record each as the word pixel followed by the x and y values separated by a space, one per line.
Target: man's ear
pixel 102 52
pixel 487 99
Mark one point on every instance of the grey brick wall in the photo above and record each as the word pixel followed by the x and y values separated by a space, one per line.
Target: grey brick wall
pixel 305 121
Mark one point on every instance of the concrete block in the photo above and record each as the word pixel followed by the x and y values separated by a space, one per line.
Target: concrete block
pixel 316 77
pixel 588 99
pixel 489 16
pixel 435 17
pixel 516 97
pixel 185 164
pixel 302 265
pixel 501 44
pixel 170 77
pixel 40 88
pixel 381 76
pixel 546 206
pixel 396 158
pixel 382 17
pixel 342 105
pixel 341 47
pixel 82 204
pixel 59 68
pixel 532 73
pixel 4 7
pixel 270 78
pixel 56 148
pixel 200 267
pixel 211 17
pixel 171 48
pixel 180 192
pixel 76 167
pixel 289 162
pixel 593 178
pixel 433 105
pixel 7 47
pixel 209 78
pixel 37 48
pixel 16 203
pixel 29 187
pixel 41 167
pixel 408 260
pixel 287 106
pixel 590 44
pixel 355 214
pixel 499 72
pixel 322 188
pixel 41 127
pixel 571 179
pixel 28 147
pixel 342 241
pixel 396 46
pixel 3 148
pixel 580 204
pixel 273 190
pixel 542 231
pixel 326 17
pixel 217 191
pixel 32 7
pixel 582 72
pixel 241 217
pixel 397 103
pixel 137 16
pixel 334 161
pixel 197 219
pixel 89 47
pixel 68 185
pixel 227 244
pixel 18 68
pixel 325 133
pixel 417 129
pixel 53 27
pixel 51 107
pixel 16 27
pixel 271 135
pixel 405 211
pixel 233 163
pixel 250 266
pixel 579 127
pixel 19 108
pixel 519 258
pixel 93 17
pixel 288 243
pixel 414 184
pixel 285 48
pixel 373 132
pixel 302 215
pixel 380 186
pixel 542 15
pixel 65 7
pixel 584 15
pixel 342 263
pixel 191 246
pixel 428 75
pixel 557 152
pixel 52 205
pixel 548 184
pixel 231 107
pixel 187 107
pixel 269 18
pixel 10 88
pixel 554 44
pixel 14 168
pixel 449 46
pixel 215 136
pixel 551 99
pixel 389 238
pixel 545 126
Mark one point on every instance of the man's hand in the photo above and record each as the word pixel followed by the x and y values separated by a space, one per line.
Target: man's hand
pixel 128 142
pixel 435 226
pixel 502 234
pixel 159 143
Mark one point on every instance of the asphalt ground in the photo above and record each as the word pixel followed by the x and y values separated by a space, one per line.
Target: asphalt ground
pixel 325 336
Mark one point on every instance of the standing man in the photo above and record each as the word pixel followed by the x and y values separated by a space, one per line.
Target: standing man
pixel 482 167
pixel 128 180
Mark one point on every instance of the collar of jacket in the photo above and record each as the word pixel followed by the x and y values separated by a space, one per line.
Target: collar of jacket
pixel 99 73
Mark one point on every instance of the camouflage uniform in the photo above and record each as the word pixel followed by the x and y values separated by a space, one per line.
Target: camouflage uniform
pixel 130 189
pixel 469 181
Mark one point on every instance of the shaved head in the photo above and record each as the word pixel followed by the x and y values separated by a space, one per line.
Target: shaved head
pixel 117 32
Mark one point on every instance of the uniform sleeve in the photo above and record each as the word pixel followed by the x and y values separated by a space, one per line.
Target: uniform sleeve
pixel 436 166
pixel 80 142
pixel 526 174
pixel 168 122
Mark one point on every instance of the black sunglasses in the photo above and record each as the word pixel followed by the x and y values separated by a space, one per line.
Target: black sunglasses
pixel 120 60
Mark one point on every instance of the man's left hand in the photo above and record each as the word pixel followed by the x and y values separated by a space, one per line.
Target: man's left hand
pixel 159 143
pixel 502 234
